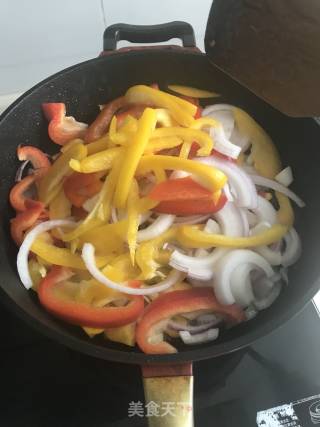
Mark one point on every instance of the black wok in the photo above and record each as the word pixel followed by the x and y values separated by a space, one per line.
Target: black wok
pixel 83 87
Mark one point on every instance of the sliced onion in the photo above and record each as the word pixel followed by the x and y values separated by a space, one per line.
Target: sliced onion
pixel 263 303
pixel 284 275
pixel 285 177
pixel 200 252
pixel 216 107
pixel 90 204
pixel 88 257
pixel 241 184
pixel 265 211
pixel 159 226
pixel 227 265
pixel 20 170
pixel 273 256
pixel 224 117
pixel 177 174
pixel 192 219
pixel 206 336
pixel 250 312
pixel 230 220
pixel 240 139
pixel 274 185
pixel 245 222
pixel 212 227
pixel 293 250
pixel 193 329
pixel 23 254
pixel 252 218
pixel 240 284
pixel 222 144
pixel 228 193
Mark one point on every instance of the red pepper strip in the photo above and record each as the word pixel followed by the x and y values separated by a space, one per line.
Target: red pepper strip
pixel 198 113
pixel 38 159
pixel 25 220
pixel 62 128
pixel 154 86
pixel 179 189
pixel 79 187
pixel 84 314
pixel 78 213
pixel 191 207
pixel 135 112
pixel 174 303
pixel 17 194
pixel 101 123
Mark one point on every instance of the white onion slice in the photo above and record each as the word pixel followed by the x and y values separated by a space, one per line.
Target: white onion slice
pixel 212 227
pixel 159 226
pixel 285 177
pixel 20 170
pixel 222 144
pixel 240 139
pixel 241 184
pixel 263 303
pixel 274 185
pixel 273 256
pixel 178 174
pixel 228 193
pixel 245 222
pixel 224 117
pixel 216 107
pixel 192 219
pixel 227 265
pixel 230 220
pixel 265 211
pixel 206 336
pixel 88 257
pixel 22 258
pixel 250 312
pixel 193 329
pixel 90 204
pixel 293 249
pixel 240 284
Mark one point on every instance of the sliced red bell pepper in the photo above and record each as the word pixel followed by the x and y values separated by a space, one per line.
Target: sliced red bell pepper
pixel 179 189
pixel 100 125
pixel 84 314
pixel 17 194
pixel 191 206
pixel 135 111
pixel 79 187
pixel 78 213
pixel 62 128
pixel 154 86
pixel 38 159
pixel 174 303
pixel 25 220
pixel 198 112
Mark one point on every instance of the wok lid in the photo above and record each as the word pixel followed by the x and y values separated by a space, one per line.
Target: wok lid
pixel 272 47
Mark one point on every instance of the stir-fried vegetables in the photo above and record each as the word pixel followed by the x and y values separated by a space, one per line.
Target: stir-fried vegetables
pixel 130 233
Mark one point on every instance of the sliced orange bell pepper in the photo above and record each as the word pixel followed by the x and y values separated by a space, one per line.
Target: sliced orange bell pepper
pixel 79 187
pixel 174 303
pixel 84 314
pixel 62 128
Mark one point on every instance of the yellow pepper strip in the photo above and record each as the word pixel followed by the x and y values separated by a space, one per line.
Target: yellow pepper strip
pixel 185 150
pixel 60 207
pixel 146 126
pixel 265 156
pixel 123 334
pixel 130 125
pixel 122 269
pixel 91 332
pixel 145 204
pixel 192 91
pixel 205 122
pixel 108 238
pixel 210 177
pixel 133 219
pixel 70 144
pixel 285 214
pixel 37 272
pixel 159 144
pixel 93 292
pixel 188 135
pixel 160 175
pixel 164 118
pixel 101 161
pixel 100 144
pixel 181 110
pixel 147 253
pixel 61 256
pixel 58 171
pixel 192 237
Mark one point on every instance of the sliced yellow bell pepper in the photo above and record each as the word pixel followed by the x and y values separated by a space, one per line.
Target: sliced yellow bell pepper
pixel 130 125
pixel 188 135
pixel 182 111
pixel 60 207
pixel 100 144
pixel 145 204
pixel 92 332
pixel 147 253
pixel 192 237
pixel 210 177
pixel 58 171
pixel 133 219
pixel 285 214
pixel 93 292
pixel 120 269
pixel 101 161
pixel 146 126
pixel 265 156
pixel 192 91
pixel 205 122
pixel 164 118
pixel 62 256
pixel 108 238
pixel 185 150
pixel 123 334
pixel 159 144
pixel 70 144
pixel 160 175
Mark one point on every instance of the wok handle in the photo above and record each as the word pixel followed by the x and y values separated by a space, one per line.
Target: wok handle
pixel 169 395
pixel 148 34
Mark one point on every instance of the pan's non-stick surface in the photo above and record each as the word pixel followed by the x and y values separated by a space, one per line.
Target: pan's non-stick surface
pixel 95 82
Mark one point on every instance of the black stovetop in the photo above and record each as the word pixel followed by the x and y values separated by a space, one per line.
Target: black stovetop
pixel 45 384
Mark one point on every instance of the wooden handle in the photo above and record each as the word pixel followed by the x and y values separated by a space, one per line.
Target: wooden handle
pixel 169 395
